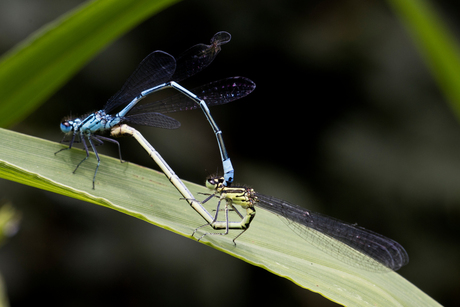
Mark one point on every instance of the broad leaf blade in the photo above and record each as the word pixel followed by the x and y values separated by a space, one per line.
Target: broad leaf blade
pixel 148 195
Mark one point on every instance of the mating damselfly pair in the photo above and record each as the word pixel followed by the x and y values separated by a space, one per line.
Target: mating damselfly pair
pixel 160 70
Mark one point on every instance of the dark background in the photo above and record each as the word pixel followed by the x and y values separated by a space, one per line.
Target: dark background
pixel 345 120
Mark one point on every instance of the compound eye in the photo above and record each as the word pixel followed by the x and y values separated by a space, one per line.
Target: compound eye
pixel 215 183
pixel 211 184
pixel 66 126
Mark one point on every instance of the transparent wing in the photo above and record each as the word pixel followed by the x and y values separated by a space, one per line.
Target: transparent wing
pixel 155 69
pixel 152 119
pixel 198 57
pixel 215 93
pixel 363 248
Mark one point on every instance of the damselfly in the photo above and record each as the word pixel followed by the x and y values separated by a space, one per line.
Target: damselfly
pixel 158 71
pixel 348 242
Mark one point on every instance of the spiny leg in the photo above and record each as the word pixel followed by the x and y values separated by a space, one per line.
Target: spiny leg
pixel 201 202
pixel 239 236
pixel 97 157
pixel 100 138
pixel 236 210
pixel 226 221
pixel 213 221
pixel 70 144
pixel 87 153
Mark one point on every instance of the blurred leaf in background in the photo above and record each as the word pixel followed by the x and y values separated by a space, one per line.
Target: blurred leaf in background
pixel 35 69
pixel 9 221
pixel 438 46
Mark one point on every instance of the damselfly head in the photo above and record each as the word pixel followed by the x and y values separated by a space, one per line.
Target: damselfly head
pixel 67 126
pixel 214 183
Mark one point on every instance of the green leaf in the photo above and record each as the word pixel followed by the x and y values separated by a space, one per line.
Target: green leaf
pixel 437 45
pixel 149 196
pixel 39 66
